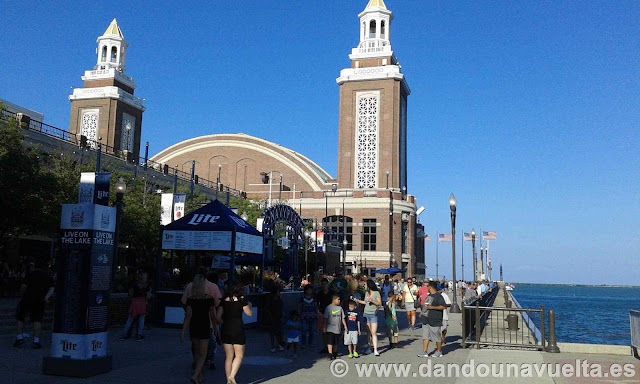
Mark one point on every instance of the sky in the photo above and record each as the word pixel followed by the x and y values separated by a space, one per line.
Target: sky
pixel 527 111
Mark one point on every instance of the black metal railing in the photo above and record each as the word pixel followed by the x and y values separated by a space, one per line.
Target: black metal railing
pixel 127 156
pixel 486 325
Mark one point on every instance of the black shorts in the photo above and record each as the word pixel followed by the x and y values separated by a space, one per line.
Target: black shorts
pixel 33 308
pixel 331 338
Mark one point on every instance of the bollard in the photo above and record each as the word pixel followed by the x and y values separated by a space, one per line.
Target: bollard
pixel 512 322
pixel 552 347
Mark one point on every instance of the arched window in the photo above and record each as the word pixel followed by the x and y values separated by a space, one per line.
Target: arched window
pixel 104 54
pixel 372 29
pixel 114 54
pixel 383 29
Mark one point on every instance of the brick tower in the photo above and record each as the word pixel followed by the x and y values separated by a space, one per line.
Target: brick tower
pixel 105 110
pixel 372 142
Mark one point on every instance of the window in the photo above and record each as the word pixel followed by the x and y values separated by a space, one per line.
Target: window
pixel 404 237
pixel 128 132
pixel 372 29
pixel 367 140
pixel 334 232
pixel 382 29
pixel 114 54
pixel 89 127
pixel 369 234
pixel 104 54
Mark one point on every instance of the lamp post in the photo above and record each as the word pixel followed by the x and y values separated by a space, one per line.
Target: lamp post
pixel 473 254
pixel 452 207
pixel 121 188
pixel 387 179
pixel 307 235
pixel 344 257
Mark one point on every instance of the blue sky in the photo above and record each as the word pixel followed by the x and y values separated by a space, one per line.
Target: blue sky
pixel 527 111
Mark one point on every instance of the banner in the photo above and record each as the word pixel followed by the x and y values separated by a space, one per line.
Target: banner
pixel 444 238
pixel 179 201
pixel 166 202
pixel 320 242
pixel 103 183
pixel 87 187
pixel 490 235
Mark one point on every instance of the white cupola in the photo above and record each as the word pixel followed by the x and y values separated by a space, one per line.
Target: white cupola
pixel 111 49
pixel 375 31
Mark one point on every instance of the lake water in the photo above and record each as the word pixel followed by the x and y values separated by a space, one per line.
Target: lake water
pixel 591 315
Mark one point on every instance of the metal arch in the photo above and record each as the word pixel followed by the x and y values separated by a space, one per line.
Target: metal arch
pixel 280 213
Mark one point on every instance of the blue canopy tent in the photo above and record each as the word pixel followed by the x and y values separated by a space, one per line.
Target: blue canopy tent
pixel 382 272
pixel 213 227
pixel 394 270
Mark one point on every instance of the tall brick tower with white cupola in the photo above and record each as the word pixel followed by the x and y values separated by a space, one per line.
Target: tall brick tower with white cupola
pixel 372 142
pixel 105 110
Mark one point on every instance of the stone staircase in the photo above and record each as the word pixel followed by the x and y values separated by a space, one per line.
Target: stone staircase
pixel 8 307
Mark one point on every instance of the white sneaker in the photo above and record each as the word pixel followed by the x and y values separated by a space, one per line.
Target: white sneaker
pixel 423 354
pixel 280 348
pixel 273 350
pixel 376 353
pixel 437 354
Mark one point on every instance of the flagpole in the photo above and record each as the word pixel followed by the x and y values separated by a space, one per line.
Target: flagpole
pixel 462 256
pixel 437 244
pixel 486 260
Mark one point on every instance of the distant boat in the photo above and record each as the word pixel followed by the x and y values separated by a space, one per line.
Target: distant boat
pixel 509 287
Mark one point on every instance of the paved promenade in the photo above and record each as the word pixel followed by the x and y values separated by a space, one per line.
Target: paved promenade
pixel 161 358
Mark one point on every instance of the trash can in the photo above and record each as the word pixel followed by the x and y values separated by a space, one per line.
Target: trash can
pixel 512 322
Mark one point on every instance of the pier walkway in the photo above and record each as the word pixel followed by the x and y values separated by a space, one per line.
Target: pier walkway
pixel 161 358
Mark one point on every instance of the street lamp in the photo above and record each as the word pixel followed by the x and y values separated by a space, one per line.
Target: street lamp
pixel 452 207
pixel 344 257
pixel 307 235
pixel 473 253
pixel 244 216
pixel 121 188
pixel 387 179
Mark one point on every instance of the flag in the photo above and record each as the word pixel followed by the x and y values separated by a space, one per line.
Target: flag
pixel 491 235
pixel 444 238
pixel 427 238
pixel 166 202
pixel 467 236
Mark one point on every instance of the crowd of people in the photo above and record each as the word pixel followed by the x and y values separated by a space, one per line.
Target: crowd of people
pixel 339 309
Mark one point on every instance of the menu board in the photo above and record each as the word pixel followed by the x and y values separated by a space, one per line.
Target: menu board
pixel 196 240
pixel 248 243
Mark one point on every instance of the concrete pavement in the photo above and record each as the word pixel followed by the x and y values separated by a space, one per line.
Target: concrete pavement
pixel 161 358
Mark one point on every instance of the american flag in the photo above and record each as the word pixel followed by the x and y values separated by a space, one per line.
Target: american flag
pixel 467 236
pixel 427 238
pixel 444 238
pixel 491 235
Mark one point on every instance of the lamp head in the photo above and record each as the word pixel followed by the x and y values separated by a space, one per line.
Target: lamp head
pixel 345 242
pixel 452 201
pixel 244 216
pixel 473 232
pixel 121 186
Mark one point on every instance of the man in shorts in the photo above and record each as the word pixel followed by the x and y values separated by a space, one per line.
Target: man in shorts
pixel 432 321
pixel 445 314
pixel 36 290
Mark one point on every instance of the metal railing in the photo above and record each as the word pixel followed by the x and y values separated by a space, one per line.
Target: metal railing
pixel 634 324
pixel 485 325
pixel 127 156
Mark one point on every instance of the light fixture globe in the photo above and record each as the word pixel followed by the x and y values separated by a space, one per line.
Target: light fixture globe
pixel 244 216
pixel 452 201
pixel 121 186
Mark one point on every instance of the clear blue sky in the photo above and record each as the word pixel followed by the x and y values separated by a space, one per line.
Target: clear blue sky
pixel 528 111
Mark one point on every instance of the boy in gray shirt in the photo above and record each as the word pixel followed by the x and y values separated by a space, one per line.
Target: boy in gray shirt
pixel 334 316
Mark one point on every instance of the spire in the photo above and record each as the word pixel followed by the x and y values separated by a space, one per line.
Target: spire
pixel 114 29
pixel 376 4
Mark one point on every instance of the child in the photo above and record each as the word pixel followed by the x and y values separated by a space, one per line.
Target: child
pixel 391 320
pixel 352 331
pixel 293 332
pixel 333 315
pixel 308 314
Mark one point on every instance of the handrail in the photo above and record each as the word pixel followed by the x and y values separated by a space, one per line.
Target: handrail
pixel 528 320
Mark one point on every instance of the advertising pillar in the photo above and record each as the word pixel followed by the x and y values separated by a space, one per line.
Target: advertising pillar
pixel 79 341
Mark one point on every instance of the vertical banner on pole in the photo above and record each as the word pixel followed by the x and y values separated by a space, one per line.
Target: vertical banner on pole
pixel 103 182
pixel 166 203
pixel 179 201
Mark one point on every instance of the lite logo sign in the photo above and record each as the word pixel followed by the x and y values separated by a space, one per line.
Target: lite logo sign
pixel 68 346
pixel 201 218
